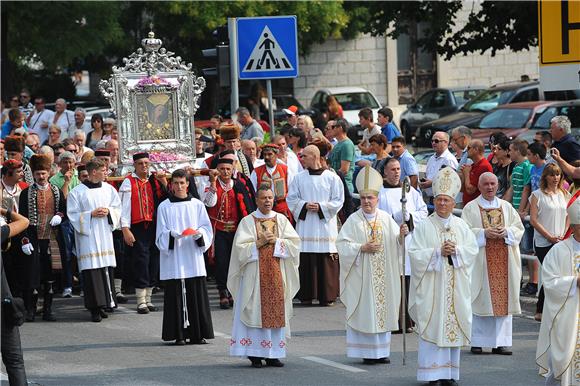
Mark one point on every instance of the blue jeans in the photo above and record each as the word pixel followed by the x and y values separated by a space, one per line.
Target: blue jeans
pixel 527 242
pixel 66 244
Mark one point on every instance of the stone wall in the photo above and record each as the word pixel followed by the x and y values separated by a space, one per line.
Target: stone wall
pixel 360 62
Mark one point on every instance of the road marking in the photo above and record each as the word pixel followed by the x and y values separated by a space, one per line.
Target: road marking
pixel 335 364
pixel 222 335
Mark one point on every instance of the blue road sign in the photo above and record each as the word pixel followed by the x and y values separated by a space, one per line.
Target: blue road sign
pixel 267 47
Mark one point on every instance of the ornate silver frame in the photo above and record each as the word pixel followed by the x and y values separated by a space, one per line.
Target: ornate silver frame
pixel 153 74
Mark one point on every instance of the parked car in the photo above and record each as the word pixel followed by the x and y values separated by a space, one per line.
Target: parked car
pixel 472 112
pixel 279 102
pixel 512 119
pixel 434 104
pixel 542 122
pixel 352 100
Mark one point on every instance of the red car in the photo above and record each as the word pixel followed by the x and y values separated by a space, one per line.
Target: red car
pixel 512 119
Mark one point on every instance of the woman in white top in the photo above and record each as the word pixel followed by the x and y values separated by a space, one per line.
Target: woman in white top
pixel 548 217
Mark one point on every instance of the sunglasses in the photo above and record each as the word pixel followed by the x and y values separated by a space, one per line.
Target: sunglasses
pixel 437 140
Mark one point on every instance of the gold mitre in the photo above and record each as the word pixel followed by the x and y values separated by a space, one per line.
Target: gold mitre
pixel 574 212
pixel 446 182
pixel 158 99
pixel 369 181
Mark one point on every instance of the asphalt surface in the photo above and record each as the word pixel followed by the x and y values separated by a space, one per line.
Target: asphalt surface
pixel 126 349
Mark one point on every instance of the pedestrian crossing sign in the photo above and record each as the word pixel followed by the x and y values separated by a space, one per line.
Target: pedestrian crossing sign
pixel 267 47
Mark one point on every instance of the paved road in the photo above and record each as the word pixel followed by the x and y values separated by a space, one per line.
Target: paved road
pixel 126 349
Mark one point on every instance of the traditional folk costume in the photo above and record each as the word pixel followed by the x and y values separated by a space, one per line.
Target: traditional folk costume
pixel 140 199
pixel 94 241
pixel 319 267
pixel 277 179
pixel 558 352
pixel 13 263
pixel 390 202
pixel 227 205
pixel 186 313
pixel 16 144
pixel 44 206
pixel 263 283
pixel 497 270
pixel 369 282
pixel 440 293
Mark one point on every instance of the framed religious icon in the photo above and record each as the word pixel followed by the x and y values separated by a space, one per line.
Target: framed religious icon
pixel 154 97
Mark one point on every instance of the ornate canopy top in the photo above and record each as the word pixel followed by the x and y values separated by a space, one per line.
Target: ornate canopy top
pixel 152 58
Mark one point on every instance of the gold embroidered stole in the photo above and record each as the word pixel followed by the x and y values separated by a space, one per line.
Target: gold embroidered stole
pixel 374 231
pixel 576 358
pixel 271 284
pixel 496 252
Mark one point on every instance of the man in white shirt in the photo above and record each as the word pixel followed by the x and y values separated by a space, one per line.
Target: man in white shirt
pixel 63 118
pixel 39 119
pixel 365 117
pixel 250 150
pixel 78 124
pixel 440 159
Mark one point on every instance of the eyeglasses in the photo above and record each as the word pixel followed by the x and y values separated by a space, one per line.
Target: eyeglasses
pixel 437 140
pixel 24 96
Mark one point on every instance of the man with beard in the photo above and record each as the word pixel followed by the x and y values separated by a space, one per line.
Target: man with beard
pixel 44 205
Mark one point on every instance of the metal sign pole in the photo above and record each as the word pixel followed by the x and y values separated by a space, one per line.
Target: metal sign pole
pixel 234 95
pixel 270 107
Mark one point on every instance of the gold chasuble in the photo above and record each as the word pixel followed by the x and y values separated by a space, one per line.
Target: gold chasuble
pixel 271 284
pixel 496 253
pixel 370 282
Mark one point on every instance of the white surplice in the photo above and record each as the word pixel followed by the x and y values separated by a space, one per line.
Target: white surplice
pixel 248 337
pixel 390 202
pixel 489 330
pixel 94 235
pixel 318 235
pixel 183 259
pixel 369 283
pixel 558 352
pixel 440 294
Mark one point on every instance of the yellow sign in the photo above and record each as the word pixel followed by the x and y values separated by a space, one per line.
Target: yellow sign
pixel 559 31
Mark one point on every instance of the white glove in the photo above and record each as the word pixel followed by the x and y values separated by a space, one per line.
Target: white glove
pixel 27 249
pixel 55 221
pixel 176 235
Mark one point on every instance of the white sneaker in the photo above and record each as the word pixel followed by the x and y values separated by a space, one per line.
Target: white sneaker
pixel 67 293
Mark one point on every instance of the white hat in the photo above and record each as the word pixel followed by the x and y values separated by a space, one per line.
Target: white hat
pixel 369 181
pixel 574 212
pixel 446 182
pixel 288 112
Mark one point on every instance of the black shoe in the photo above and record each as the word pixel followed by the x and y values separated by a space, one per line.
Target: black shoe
pixel 274 363
pixel 367 361
pixel 103 313
pixel 224 300
pixel 256 362
pixel 476 350
pixel 96 316
pixel 501 351
pixel 121 298
pixel 450 382
pixel 142 310
pixel 438 382
pixel 180 342
pixel 529 289
pixel 151 307
pixel 199 341
pixel 383 360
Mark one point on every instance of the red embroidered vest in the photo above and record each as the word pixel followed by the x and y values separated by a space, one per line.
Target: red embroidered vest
pixel 278 182
pixel 142 200
pixel 224 215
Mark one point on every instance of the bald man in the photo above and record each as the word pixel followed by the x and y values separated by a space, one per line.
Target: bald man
pixel 495 280
pixel 469 174
pixel 250 149
pixel 315 197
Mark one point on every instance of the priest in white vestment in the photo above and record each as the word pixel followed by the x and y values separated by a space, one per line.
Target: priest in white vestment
pixel 370 272
pixel 558 352
pixel 390 201
pixel 183 234
pixel 497 271
pixel 442 253
pixel 315 197
pixel 263 280
pixel 94 210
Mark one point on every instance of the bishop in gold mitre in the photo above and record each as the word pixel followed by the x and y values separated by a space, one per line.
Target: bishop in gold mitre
pixel 370 266
pixel 442 252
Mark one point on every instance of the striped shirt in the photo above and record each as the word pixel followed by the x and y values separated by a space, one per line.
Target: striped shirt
pixel 520 178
